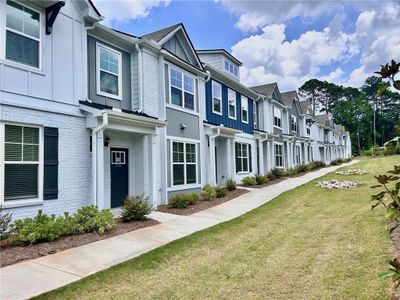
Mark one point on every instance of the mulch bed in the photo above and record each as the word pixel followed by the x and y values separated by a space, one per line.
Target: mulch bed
pixel 201 205
pixel 10 254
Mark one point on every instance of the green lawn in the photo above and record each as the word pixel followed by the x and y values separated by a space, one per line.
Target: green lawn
pixel 307 243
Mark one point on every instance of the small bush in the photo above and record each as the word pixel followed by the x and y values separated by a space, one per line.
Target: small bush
pixel 315 165
pixel 249 181
pixel 230 184
pixel 290 172
pixel 40 228
pixel 136 208
pixel 336 162
pixel 261 179
pixel 390 149
pixel 221 191
pixel 208 192
pixel 276 173
pixel 6 226
pixel 301 168
pixel 193 198
pixel 373 151
pixel 183 200
pixel 90 219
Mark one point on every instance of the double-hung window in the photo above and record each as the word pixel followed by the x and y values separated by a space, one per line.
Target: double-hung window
pixel 231 68
pixel 182 89
pixel 242 153
pixel 293 123
pixel 245 109
pixel 21 162
pixel 109 72
pixel 184 163
pixel 278 156
pixel 232 104
pixel 308 130
pixel 216 98
pixel 22 34
pixel 277 117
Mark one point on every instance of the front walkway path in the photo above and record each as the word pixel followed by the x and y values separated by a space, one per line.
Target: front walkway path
pixel 34 277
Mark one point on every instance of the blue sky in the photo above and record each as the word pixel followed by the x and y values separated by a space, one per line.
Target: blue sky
pixel 284 41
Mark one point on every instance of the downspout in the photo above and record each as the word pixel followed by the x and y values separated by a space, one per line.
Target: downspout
pixel 94 154
pixel 212 143
pixel 86 61
pixel 208 76
pixel 140 77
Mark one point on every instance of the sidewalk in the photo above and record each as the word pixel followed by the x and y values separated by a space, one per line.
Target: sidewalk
pixel 34 277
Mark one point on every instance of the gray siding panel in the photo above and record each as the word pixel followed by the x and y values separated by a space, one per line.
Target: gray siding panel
pixel 125 103
pixel 176 118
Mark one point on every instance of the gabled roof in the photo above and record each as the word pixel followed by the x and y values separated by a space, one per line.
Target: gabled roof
pixel 160 34
pixel 288 97
pixel 265 89
pixel 305 106
pixel 322 119
pixel 220 51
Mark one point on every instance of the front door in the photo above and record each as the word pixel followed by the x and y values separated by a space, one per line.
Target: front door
pixel 119 176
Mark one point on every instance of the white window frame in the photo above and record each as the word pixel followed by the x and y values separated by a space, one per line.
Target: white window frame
pixel 293 121
pixel 234 67
pixel 276 109
pixel 234 104
pixel 281 155
pixel 182 107
pixel 242 158
pixel 242 99
pixel 3 29
pixel 213 98
pixel 183 163
pixel 119 55
pixel 29 201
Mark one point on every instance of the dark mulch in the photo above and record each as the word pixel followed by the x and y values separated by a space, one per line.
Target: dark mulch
pixel 10 254
pixel 202 204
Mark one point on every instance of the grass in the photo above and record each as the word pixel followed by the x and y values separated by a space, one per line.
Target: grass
pixel 308 243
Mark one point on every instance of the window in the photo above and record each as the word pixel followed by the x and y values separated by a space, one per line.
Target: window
pixel 245 109
pixel 182 89
pixel 22 34
pixel 232 104
pixel 109 73
pixel 255 115
pixel 278 156
pixel 277 117
pixel 297 149
pixel 21 162
pixel 118 157
pixel 231 68
pixel 184 163
pixel 293 123
pixel 216 98
pixel 308 130
pixel 242 153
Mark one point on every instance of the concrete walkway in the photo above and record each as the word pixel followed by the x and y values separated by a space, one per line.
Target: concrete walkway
pixel 34 277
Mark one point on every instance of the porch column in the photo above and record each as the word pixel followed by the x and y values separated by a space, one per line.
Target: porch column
pixel 153 188
pixel 261 169
pixel 229 157
pixel 212 161
pixel 146 166
pixel 100 170
pixel 290 155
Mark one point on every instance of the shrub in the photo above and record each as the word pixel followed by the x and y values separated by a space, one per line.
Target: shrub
pixel 192 198
pixel 290 172
pixel 136 208
pixel 389 149
pixel 316 164
pixel 275 173
pixel 178 201
pixel 6 226
pixel 261 179
pixel 221 191
pixel 90 219
pixel 301 168
pixel 208 192
pixel 230 184
pixel 373 151
pixel 40 228
pixel 336 162
pixel 249 181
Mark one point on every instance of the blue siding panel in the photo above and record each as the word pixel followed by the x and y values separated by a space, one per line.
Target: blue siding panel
pixel 224 119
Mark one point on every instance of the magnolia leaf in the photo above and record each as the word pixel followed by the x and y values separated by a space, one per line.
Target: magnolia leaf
pixel 376 186
pixel 396 84
pixel 393 213
pixel 382 88
pixel 386 274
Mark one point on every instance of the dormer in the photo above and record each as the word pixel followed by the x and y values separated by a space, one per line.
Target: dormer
pixel 221 60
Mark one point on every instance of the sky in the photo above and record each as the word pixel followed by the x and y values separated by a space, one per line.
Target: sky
pixel 288 42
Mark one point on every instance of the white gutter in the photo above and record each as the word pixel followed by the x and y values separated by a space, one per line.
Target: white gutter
pixel 140 77
pixel 208 76
pixel 94 155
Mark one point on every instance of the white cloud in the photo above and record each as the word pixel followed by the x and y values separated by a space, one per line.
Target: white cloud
pixel 269 57
pixel 125 10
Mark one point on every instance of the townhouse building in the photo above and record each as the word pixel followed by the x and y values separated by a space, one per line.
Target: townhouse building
pixel 89 114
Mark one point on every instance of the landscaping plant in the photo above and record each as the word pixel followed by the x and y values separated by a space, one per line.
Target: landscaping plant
pixel 275 173
pixel 178 201
pixel 230 184
pixel 301 168
pixel 249 181
pixel 6 226
pixel 208 192
pixel 136 208
pixel 221 191
pixel 261 179
pixel 91 219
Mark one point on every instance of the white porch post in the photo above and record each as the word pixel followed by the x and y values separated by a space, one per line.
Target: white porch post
pixel 229 157
pixel 146 166
pixel 153 188
pixel 100 170
pixel 290 155
pixel 212 161
pixel 261 169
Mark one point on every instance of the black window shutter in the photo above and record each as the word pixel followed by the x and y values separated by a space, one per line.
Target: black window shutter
pixel 238 164
pixel 250 162
pixel 50 181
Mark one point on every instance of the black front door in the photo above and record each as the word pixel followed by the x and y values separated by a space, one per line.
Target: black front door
pixel 119 176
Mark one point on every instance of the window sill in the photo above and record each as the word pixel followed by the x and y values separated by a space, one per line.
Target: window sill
pixel 184 187
pixel 21 203
pixel 22 67
pixel 182 109
pixel 243 173
pixel 217 113
pixel 111 96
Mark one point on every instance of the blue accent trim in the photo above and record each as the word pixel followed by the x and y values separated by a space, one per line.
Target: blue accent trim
pixel 224 119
